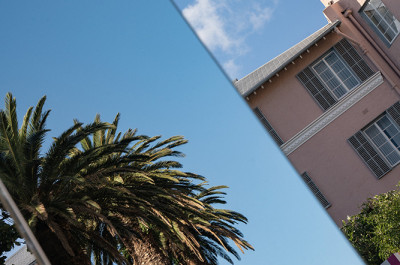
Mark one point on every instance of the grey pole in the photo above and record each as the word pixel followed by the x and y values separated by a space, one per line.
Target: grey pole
pixel 22 226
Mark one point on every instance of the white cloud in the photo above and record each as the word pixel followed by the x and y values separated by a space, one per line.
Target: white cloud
pixel 231 68
pixel 209 25
pixel 224 26
pixel 260 16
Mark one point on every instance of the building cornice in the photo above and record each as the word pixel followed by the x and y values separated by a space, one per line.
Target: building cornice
pixel 331 114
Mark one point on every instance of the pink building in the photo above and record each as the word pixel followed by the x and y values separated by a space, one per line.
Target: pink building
pixel 394 259
pixel 332 103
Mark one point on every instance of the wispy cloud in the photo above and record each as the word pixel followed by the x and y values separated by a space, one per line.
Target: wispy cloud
pixel 224 26
pixel 231 68
pixel 260 16
pixel 210 26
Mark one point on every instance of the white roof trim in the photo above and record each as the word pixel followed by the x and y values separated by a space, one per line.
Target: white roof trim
pixel 252 81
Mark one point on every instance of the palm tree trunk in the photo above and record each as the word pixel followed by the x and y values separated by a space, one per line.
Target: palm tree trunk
pixel 147 252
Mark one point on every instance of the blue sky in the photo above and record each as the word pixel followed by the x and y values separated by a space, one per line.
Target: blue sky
pixel 141 59
pixel 243 35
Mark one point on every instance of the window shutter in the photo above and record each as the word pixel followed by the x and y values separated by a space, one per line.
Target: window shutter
pixel 268 126
pixel 316 88
pixel 315 190
pixel 353 59
pixel 367 152
pixel 394 112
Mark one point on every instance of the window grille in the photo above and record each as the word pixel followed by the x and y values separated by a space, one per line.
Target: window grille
pixel 382 19
pixel 369 155
pixel 353 60
pixel 385 135
pixel 268 126
pixel 307 179
pixel 334 74
pixel 378 144
pixel 317 90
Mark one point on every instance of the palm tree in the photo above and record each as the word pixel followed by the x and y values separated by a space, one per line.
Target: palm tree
pixel 116 199
pixel 197 236
pixel 8 234
pixel 215 231
pixel 153 195
pixel 51 189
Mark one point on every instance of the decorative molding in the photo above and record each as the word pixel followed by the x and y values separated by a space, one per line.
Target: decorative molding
pixel 331 114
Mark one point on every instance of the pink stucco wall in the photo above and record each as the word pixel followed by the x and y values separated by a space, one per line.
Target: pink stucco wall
pixel 284 99
pixel 329 159
pixel 336 168
pixel 333 12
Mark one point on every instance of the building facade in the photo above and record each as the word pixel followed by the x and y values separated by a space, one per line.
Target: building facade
pixel 331 103
pixel 22 257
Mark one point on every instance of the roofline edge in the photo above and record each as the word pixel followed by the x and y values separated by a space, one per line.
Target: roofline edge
pixel 255 87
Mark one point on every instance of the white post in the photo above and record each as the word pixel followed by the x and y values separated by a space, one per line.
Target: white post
pixel 22 226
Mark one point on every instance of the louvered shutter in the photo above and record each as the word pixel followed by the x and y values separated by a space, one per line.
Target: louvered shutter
pixel 369 155
pixel 353 59
pixel 268 126
pixel 394 112
pixel 316 88
pixel 307 179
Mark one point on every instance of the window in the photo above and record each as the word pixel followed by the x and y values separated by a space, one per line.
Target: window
pixel 385 135
pixel 378 144
pixel 382 19
pixel 315 190
pixel 268 126
pixel 336 73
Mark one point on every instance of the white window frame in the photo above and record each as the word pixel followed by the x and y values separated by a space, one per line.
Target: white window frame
pixel 381 4
pixel 385 136
pixel 334 73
